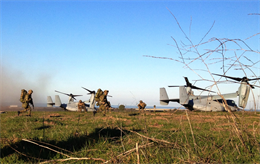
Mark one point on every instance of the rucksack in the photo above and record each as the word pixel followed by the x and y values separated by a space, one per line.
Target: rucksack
pixel 98 94
pixel 23 93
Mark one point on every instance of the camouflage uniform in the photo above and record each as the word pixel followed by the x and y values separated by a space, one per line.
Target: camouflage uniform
pixel 141 106
pixel 97 96
pixel 104 105
pixel 23 93
pixel 27 100
pixel 81 106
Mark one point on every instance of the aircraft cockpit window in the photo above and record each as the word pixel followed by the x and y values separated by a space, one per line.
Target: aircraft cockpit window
pixel 229 102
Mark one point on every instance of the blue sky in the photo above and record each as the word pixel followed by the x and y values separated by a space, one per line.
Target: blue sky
pixel 65 45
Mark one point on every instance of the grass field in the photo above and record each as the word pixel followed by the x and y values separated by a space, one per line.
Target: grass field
pixel 131 137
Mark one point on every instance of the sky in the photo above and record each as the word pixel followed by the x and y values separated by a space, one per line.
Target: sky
pixel 63 45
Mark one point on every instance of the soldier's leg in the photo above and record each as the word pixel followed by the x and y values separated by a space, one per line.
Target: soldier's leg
pixel 80 109
pixel 106 107
pixel 100 110
pixel 103 110
pixel 29 110
pixel 109 106
pixel 24 110
pixel 24 105
pixel 142 110
pixel 21 111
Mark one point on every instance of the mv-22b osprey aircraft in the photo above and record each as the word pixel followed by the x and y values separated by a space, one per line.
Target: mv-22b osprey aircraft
pixel 71 105
pixel 212 103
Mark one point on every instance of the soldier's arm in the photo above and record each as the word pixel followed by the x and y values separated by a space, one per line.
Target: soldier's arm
pixel 29 100
pixel 32 104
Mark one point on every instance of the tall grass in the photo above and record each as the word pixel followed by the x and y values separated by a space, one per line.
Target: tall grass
pixel 127 137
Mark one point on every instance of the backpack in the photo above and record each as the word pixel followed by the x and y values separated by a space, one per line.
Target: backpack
pixel 98 94
pixel 23 93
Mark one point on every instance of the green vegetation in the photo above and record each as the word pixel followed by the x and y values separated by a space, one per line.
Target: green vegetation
pixel 121 107
pixel 130 137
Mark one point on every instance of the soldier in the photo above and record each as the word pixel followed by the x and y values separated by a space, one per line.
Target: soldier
pixel 81 106
pixel 141 106
pixel 26 103
pixel 104 105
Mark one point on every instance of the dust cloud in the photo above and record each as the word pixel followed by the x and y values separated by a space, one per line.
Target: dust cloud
pixel 12 81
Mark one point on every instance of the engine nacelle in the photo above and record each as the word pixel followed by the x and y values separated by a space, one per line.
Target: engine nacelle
pixel 243 92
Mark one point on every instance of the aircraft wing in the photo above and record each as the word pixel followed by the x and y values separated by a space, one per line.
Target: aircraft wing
pixel 228 95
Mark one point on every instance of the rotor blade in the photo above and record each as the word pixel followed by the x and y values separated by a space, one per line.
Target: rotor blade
pixel 76 95
pixel 234 78
pixel 253 79
pixel 88 90
pixel 62 93
pixel 109 96
pixel 173 86
pixel 194 87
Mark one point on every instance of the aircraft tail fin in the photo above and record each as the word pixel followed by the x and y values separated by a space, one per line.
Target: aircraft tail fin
pixel 57 100
pixel 184 97
pixel 49 101
pixel 164 99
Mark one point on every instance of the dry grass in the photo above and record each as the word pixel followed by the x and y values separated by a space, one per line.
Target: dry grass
pixel 124 137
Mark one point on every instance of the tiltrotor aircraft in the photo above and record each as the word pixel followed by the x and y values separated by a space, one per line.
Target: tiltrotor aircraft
pixel 209 102
pixel 71 105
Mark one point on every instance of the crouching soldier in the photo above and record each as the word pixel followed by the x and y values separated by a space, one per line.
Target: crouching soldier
pixel 141 106
pixel 26 99
pixel 81 106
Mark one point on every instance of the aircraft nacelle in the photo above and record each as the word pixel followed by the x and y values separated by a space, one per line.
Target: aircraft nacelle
pixel 243 92
pixel 183 95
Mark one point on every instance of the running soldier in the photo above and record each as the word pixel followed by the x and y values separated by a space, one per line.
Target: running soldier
pixel 104 105
pixel 26 101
